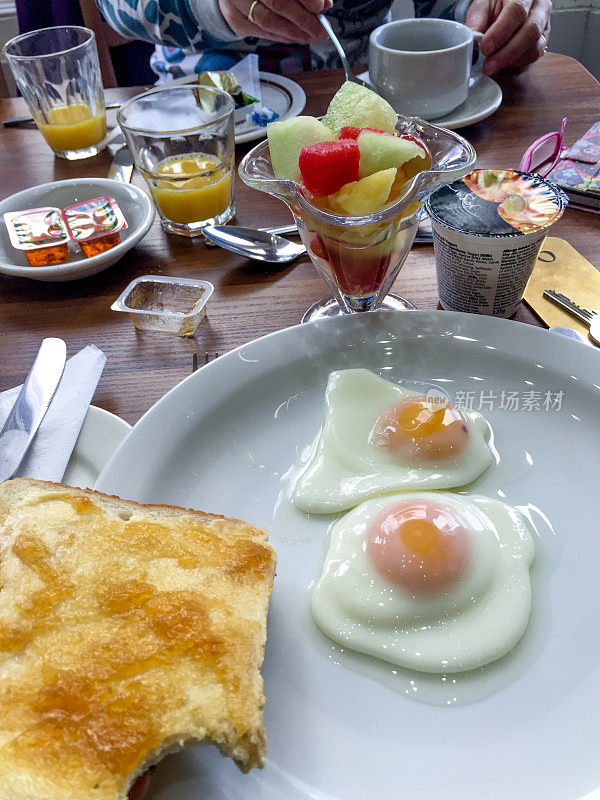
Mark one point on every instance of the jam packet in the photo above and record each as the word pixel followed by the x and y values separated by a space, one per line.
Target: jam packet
pixel 95 224
pixel 41 233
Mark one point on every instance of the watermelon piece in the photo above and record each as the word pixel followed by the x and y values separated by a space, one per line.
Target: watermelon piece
pixel 365 195
pixel 351 132
pixel 286 140
pixel 325 167
pixel 357 106
pixel 378 152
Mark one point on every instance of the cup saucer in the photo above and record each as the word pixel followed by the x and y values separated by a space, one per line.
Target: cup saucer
pixel 483 99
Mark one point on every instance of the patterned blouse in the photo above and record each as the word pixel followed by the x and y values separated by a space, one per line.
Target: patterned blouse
pixel 192 35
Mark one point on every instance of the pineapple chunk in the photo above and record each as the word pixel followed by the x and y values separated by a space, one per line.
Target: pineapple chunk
pixel 365 195
pixel 360 107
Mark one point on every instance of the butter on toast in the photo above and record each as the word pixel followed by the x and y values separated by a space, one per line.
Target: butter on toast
pixel 126 631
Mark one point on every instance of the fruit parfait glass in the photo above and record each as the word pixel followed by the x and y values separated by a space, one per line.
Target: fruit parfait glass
pixel 355 183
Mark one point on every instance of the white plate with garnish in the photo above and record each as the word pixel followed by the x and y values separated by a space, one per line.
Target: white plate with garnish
pixel 342 726
pixel 281 94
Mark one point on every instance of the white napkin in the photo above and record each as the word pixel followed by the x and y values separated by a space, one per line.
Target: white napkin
pixel 51 449
pixel 247 75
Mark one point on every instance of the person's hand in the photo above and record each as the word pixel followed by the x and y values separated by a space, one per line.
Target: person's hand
pixel 286 21
pixel 516 32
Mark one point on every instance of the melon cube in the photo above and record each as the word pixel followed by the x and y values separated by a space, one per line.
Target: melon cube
pixel 357 106
pixel 286 140
pixel 365 195
pixel 379 152
pixel 326 166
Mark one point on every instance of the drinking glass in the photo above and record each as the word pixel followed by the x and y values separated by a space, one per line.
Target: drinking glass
pixel 360 257
pixel 181 139
pixel 58 74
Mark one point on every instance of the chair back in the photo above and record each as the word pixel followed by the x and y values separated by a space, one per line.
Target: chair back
pixel 106 37
pixel 3 87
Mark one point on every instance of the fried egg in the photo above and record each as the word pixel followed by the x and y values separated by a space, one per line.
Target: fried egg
pixel 430 581
pixel 378 437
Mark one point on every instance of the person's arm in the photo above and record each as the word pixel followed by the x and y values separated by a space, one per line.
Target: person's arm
pixel 516 31
pixel 189 24
pixel 194 24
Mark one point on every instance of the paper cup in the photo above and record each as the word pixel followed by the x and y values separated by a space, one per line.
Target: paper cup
pixel 488 229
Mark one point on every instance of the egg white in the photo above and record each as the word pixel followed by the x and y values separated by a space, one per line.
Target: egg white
pixel 478 621
pixel 345 467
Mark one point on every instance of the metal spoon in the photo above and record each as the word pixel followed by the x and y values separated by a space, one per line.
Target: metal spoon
pixel 265 245
pixel 350 76
pixel 252 243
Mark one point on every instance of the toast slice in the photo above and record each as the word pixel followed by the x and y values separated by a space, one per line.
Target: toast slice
pixel 126 631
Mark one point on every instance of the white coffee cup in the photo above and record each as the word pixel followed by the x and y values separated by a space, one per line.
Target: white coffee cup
pixel 423 67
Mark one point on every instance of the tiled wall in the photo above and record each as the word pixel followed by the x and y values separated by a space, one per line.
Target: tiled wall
pixel 576 32
pixel 590 50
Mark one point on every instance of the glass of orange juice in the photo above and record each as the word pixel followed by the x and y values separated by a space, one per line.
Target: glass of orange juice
pixel 182 142
pixel 58 74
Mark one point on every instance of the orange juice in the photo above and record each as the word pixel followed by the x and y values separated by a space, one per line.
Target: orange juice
pixel 73 127
pixel 196 187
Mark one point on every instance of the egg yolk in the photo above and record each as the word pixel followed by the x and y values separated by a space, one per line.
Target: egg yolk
pixel 418 430
pixel 420 546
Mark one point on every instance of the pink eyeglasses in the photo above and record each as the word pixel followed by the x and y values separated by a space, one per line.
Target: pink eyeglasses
pixel 544 154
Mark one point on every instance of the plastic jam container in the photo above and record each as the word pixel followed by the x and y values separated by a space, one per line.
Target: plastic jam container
pixel 41 233
pixel 170 305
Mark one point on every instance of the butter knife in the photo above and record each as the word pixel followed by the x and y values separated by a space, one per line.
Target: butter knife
pixel 589 318
pixel 121 168
pixel 31 405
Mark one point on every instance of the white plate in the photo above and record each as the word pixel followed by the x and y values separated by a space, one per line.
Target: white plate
pixel 483 99
pixel 135 204
pixel 99 437
pixel 279 93
pixel 222 439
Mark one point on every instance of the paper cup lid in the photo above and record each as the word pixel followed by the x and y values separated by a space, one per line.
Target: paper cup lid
pixel 497 202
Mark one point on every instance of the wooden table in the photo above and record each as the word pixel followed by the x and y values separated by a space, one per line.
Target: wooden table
pixel 250 299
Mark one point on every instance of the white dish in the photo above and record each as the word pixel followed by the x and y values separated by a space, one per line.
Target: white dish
pixel 278 92
pixel 483 99
pixel 135 204
pixel 341 726
pixel 99 437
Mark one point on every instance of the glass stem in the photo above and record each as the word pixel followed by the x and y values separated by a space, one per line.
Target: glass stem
pixel 360 303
